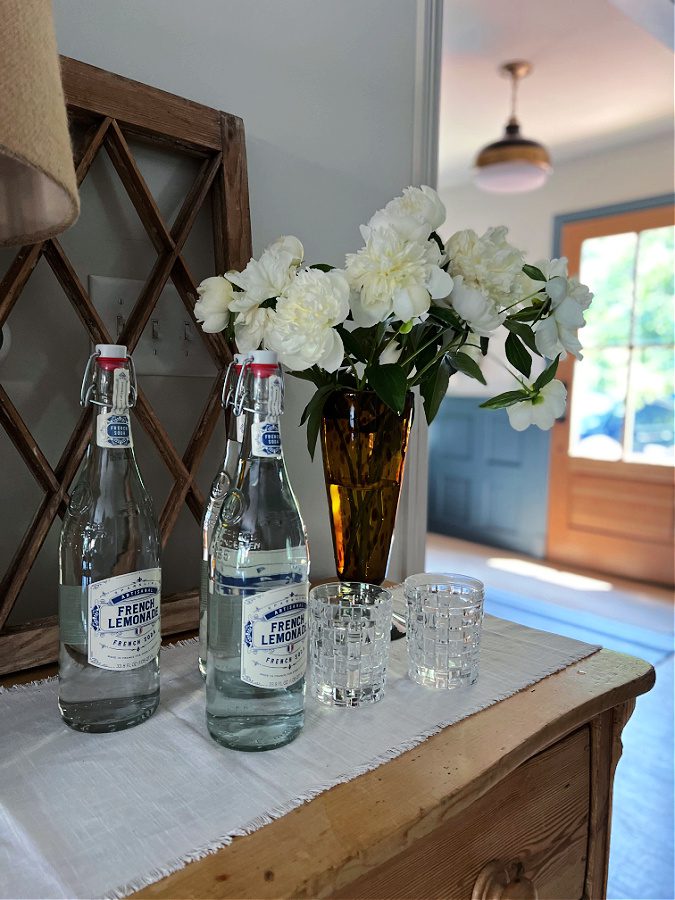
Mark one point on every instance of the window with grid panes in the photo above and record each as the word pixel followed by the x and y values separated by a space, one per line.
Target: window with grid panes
pixel 623 393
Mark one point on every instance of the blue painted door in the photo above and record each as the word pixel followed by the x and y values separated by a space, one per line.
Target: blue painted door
pixel 487 482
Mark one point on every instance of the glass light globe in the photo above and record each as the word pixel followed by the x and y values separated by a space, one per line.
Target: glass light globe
pixel 511 177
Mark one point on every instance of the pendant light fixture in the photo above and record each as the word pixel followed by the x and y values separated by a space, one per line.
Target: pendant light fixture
pixel 512 164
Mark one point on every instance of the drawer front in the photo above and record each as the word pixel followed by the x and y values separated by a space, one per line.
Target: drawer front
pixel 526 838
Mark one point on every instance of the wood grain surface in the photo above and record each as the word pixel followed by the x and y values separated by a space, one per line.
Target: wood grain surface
pixel 535 822
pixel 323 846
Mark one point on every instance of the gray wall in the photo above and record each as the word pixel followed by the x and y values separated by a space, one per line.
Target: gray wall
pixel 326 92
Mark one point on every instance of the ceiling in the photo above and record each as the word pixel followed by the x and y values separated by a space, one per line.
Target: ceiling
pixel 599 79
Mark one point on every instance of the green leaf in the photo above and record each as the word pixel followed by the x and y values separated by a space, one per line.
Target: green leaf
pixel 524 332
pixel 345 378
pixel 484 343
pixel 433 389
pixel 354 343
pixel 313 429
pixel 322 267
pixel 447 316
pixel 517 355
pixel 390 385
pixel 534 273
pixel 313 413
pixel 317 376
pixel 318 400
pixel 501 401
pixel 463 363
pixel 425 356
pixel 548 374
pixel 524 315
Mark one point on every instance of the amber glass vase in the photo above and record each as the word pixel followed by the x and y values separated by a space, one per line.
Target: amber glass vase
pixel 364 445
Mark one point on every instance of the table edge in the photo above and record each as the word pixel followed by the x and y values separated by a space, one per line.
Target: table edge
pixel 313 848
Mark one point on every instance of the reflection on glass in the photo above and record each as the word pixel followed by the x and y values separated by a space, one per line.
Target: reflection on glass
pixel 597 415
pixel 650 408
pixel 607 267
pixel 654 287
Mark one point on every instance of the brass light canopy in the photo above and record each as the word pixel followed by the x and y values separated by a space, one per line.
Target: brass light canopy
pixel 513 164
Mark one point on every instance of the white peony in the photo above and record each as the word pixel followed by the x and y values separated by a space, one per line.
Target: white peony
pixel 301 329
pixel 268 276
pixel 413 216
pixel 287 243
pixel 488 263
pixel 579 293
pixel 392 275
pixel 542 410
pixel 475 307
pixel 558 332
pixel 555 278
pixel 214 304
pixel 552 268
pixel 250 328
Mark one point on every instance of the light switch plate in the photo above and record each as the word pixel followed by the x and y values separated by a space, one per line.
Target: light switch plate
pixel 170 343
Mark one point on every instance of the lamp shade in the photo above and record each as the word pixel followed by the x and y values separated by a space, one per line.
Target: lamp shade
pixel 512 165
pixel 38 188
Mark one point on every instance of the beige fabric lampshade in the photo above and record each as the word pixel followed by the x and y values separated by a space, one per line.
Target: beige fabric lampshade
pixel 38 190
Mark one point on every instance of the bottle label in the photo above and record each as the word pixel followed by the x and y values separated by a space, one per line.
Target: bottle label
pixel 274 637
pixel 265 439
pixel 113 429
pixel 124 620
pixel 240 422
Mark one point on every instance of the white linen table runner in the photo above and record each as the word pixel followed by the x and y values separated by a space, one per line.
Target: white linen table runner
pixel 85 815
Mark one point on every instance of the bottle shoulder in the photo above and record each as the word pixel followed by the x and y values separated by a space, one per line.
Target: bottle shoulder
pixel 109 506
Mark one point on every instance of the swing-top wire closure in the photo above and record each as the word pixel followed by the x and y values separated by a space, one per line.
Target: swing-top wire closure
pixel 88 384
pixel 229 387
pixel 276 399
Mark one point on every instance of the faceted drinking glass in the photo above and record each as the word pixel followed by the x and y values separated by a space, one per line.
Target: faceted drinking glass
pixel 443 627
pixel 350 624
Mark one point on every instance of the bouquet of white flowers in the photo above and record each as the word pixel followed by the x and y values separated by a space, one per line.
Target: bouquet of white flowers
pixel 406 310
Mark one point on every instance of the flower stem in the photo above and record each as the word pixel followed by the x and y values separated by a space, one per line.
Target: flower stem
pixel 419 350
pixel 522 300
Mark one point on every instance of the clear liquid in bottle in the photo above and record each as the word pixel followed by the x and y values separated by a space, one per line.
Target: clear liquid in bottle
pixel 258 582
pixel 109 570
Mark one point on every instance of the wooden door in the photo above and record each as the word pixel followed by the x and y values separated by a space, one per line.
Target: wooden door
pixel 611 471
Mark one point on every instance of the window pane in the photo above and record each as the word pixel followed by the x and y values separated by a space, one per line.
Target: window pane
pixel 607 267
pixel 600 383
pixel 654 287
pixel 650 406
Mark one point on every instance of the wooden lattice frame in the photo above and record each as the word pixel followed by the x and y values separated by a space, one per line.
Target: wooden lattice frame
pixel 104 108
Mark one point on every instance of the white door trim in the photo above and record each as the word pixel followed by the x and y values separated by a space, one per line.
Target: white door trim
pixel 408 550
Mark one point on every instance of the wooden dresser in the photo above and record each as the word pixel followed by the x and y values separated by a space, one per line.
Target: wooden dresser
pixel 513 802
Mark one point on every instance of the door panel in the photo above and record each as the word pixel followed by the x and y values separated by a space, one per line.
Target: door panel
pixel 487 482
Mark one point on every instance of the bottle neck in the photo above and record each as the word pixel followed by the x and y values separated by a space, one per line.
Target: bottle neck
pixel 110 404
pixel 262 408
